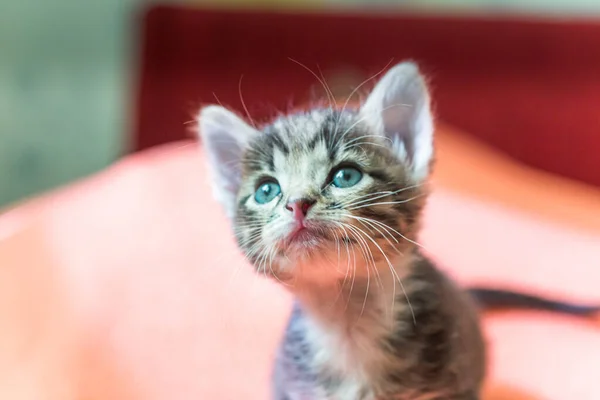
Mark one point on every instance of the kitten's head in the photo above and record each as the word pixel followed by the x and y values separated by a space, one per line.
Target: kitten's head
pixel 319 194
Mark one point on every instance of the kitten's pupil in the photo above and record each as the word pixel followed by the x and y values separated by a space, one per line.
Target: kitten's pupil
pixel 346 177
pixel 267 192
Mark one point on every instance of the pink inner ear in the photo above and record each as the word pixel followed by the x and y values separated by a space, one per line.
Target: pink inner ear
pixel 399 106
pixel 224 136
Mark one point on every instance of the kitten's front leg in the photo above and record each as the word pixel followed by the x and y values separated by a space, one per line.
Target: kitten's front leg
pixel 282 383
pixel 278 391
pixel 280 395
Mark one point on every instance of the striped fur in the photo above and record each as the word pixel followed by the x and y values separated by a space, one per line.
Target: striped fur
pixel 374 319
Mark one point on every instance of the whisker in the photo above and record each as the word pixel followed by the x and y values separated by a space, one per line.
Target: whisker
pixel 367 136
pixel 384 194
pixel 363 143
pixel 337 244
pixel 357 88
pixel 364 117
pixel 396 232
pixel 326 86
pixel 217 99
pixel 395 274
pixel 253 224
pixel 341 225
pixel 361 243
pixel 366 255
pixel 349 202
pixel 360 233
pixel 365 234
pixel 272 253
pixel 388 228
pixel 244 103
pixel 365 222
pixel 329 93
pixel 388 202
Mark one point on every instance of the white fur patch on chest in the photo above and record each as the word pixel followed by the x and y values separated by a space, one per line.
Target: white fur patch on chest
pixel 353 350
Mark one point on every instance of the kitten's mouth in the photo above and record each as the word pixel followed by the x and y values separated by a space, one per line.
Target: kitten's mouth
pixel 299 234
pixel 306 235
pixel 303 235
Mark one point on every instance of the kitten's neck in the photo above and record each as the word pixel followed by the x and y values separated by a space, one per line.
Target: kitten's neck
pixel 347 319
pixel 340 305
pixel 348 299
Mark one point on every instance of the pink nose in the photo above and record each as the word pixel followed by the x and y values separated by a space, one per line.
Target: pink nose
pixel 299 208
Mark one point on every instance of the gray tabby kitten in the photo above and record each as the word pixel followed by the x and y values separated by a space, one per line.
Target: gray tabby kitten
pixel 328 203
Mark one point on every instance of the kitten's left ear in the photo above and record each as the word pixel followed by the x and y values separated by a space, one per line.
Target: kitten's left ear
pixel 225 137
pixel 399 108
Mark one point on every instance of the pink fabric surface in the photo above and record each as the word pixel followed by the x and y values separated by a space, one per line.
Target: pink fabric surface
pixel 140 292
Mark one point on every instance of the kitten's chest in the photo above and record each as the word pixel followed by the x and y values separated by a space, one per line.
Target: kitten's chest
pixel 320 364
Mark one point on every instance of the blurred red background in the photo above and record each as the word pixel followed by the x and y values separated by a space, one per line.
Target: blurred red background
pixel 530 88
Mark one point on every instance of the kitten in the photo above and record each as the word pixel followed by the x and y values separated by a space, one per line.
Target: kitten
pixel 328 203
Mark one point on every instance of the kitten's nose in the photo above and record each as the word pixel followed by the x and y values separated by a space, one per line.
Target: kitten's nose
pixel 300 207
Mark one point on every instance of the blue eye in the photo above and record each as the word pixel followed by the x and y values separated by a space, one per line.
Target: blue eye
pixel 346 177
pixel 267 192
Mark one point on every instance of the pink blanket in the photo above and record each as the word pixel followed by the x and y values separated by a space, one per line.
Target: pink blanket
pixel 128 286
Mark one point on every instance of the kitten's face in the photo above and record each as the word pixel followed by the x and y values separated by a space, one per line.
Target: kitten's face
pixel 321 190
pixel 327 193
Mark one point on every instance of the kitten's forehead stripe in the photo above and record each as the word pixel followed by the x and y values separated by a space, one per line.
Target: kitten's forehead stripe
pixel 277 140
pixel 318 134
pixel 380 174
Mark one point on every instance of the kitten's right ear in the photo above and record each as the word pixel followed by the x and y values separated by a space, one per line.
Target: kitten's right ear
pixel 399 109
pixel 224 137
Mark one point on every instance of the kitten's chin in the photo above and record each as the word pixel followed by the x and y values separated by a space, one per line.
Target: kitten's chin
pixel 302 239
pixel 307 253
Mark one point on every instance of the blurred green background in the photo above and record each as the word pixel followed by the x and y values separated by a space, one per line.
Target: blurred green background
pixel 67 78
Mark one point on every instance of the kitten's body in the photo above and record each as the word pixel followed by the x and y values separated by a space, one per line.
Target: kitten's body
pixel 328 202
pixel 355 354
